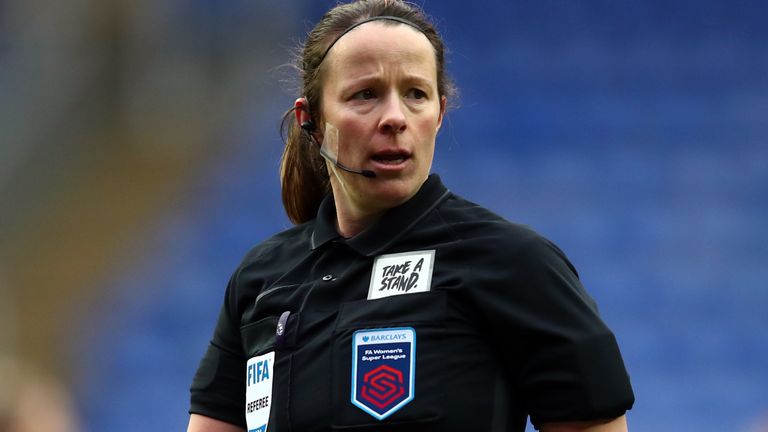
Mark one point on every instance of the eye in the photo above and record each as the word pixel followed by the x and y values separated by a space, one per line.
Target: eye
pixel 364 95
pixel 415 93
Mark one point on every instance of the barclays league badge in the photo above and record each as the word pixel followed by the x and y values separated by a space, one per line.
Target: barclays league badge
pixel 383 370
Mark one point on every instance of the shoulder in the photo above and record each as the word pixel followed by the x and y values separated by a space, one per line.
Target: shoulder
pixel 268 259
pixel 265 263
pixel 280 245
pixel 493 241
pixel 512 263
pixel 477 224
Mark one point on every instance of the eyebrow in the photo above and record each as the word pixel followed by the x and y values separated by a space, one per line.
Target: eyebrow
pixel 348 85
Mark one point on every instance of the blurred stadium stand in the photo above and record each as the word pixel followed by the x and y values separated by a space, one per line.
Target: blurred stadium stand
pixel 139 153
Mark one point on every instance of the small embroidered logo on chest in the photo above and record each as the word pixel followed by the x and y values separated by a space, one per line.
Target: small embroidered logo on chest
pixel 401 273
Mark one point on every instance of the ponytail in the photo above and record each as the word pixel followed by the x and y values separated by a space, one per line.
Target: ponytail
pixel 303 175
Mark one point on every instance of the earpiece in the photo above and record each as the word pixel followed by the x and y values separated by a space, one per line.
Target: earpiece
pixel 303 118
pixel 308 126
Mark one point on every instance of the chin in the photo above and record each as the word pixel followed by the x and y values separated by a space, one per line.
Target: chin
pixel 392 193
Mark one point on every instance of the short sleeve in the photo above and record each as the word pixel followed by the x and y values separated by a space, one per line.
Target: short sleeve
pixel 218 387
pixel 561 355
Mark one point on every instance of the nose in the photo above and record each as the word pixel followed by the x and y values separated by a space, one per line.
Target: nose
pixel 393 117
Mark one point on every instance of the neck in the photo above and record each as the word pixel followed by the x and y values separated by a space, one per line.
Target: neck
pixel 353 215
pixel 351 222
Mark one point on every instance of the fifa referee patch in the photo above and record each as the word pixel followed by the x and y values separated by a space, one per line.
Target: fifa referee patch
pixel 258 394
pixel 383 369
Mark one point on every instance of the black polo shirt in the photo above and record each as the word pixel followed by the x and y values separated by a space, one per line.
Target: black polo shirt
pixel 501 327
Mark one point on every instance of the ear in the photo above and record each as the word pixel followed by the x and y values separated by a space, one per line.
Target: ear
pixel 443 105
pixel 301 110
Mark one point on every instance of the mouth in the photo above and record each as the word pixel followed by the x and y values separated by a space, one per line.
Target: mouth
pixel 391 158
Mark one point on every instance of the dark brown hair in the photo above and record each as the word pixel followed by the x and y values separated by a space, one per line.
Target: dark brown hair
pixel 303 174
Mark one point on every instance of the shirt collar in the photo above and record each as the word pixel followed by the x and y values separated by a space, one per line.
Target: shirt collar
pixel 389 228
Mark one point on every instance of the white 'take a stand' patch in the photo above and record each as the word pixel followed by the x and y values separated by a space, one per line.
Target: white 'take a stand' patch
pixel 401 273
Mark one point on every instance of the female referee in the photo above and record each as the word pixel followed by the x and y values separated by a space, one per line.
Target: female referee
pixel 394 304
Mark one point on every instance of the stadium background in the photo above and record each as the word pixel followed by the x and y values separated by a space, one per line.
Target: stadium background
pixel 139 152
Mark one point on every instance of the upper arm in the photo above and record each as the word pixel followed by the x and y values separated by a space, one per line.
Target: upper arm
pixel 565 359
pixel 218 387
pixel 618 424
pixel 199 423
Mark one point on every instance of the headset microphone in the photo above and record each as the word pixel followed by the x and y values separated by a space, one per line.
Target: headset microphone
pixel 309 126
pixel 364 173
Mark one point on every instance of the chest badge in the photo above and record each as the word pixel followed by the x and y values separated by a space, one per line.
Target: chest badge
pixel 259 373
pixel 401 273
pixel 383 370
